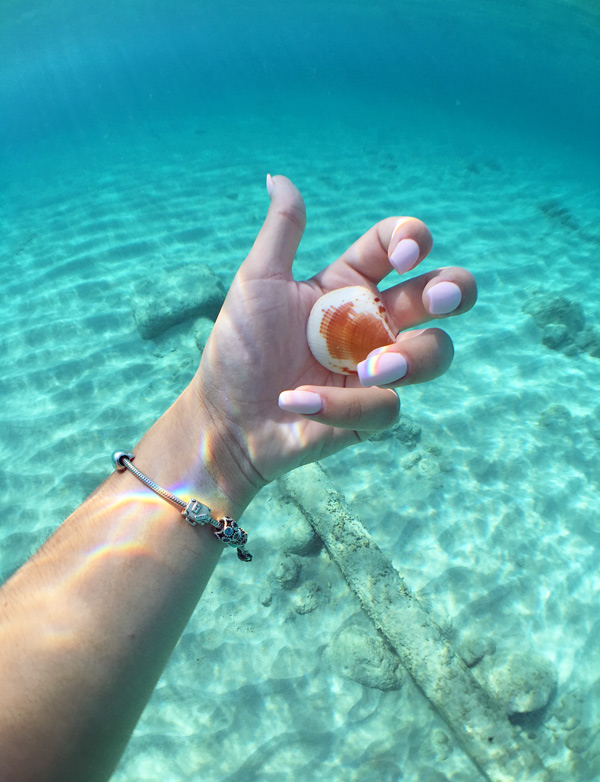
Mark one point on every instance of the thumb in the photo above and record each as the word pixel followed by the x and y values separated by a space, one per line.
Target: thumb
pixel 277 242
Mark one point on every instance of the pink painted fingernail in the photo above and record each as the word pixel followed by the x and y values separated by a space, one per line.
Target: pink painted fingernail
pixel 384 349
pixel 304 402
pixel 443 297
pixel 381 369
pixel 405 255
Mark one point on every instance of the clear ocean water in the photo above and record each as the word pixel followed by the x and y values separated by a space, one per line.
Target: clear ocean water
pixel 134 141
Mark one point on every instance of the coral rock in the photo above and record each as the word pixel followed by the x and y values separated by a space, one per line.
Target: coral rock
pixel 177 295
pixel 522 683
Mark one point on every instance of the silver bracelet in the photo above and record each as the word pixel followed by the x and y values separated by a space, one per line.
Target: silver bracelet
pixel 195 513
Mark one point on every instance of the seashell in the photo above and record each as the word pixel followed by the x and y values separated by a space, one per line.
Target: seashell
pixel 345 325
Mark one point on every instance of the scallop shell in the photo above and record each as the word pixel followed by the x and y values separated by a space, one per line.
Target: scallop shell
pixel 345 325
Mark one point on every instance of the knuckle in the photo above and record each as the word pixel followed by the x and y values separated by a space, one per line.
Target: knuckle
pixel 294 212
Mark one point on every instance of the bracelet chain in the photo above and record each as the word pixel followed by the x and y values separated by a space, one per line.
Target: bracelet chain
pixel 195 513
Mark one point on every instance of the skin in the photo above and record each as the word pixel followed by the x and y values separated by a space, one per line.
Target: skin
pixel 88 623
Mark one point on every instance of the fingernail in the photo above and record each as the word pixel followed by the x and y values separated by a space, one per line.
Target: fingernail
pixel 270 185
pixel 305 402
pixel 401 222
pixel 405 255
pixel 384 349
pixel 443 297
pixel 382 369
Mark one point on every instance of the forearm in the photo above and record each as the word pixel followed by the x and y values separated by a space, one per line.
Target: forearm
pixel 89 622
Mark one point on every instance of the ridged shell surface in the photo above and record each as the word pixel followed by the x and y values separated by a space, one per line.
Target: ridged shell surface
pixel 345 325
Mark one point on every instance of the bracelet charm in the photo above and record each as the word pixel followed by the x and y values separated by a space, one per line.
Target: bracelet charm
pixel 194 512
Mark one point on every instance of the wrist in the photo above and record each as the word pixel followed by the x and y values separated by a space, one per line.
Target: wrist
pixel 191 454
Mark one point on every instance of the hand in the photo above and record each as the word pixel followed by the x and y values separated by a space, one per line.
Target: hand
pixel 258 346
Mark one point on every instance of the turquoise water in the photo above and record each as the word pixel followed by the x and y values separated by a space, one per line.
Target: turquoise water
pixel 526 72
pixel 134 140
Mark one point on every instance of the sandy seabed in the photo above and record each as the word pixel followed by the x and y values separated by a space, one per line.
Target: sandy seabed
pixel 489 509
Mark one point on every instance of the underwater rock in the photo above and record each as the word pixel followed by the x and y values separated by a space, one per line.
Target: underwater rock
pixel 473 647
pixel 521 682
pixel 580 739
pixel 593 422
pixel 287 572
pixel 554 210
pixel 174 296
pixel 300 537
pixel 284 576
pixel 555 417
pixel 484 469
pixel 569 709
pixel 405 430
pixel 556 336
pixel 441 746
pixel 201 330
pixel 426 475
pixel 427 774
pixel 365 658
pixel 560 310
pixel 589 341
pixel 310 596
pixel 562 321
pixel 381 768
pixel 593 346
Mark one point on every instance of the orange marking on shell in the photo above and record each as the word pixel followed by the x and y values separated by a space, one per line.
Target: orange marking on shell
pixel 351 335
pixel 345 325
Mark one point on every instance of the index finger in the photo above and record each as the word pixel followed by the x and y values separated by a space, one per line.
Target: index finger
pixel 398 243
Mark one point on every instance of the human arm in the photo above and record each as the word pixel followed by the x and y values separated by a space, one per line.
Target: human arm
pixel 88 624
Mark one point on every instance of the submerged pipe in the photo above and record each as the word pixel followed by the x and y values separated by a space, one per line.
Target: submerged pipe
pixel 479 724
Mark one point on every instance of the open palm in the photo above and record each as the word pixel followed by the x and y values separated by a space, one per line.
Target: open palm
pixel 258 346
